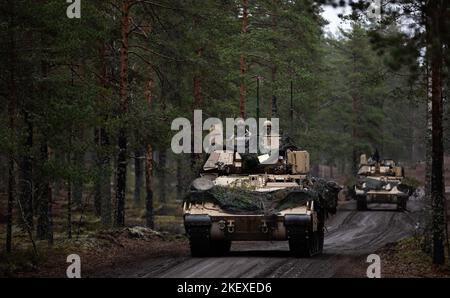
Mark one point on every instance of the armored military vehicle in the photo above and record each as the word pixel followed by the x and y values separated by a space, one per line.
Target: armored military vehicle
pixel 381 181
pixel 238 198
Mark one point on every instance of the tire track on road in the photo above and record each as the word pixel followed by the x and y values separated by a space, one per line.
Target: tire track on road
pixel 351 235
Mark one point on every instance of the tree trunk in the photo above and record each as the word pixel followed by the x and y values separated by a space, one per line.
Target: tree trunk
pixel 162 175
pixel 103 183
pixel 428 245
pixel 44 229
pixel 26 172
pixel 274 67
pixel 355 134
pixel 69 192
pixel 273 103
pixel 45 221
pixel 106 216
pixel 121 185
pixel 102 186
pixel 198 104
pixel 9 214
pixel 78 184
pixel 12 107
pixel 198 92
pixel 179 179
pixel 121 179
pixel 150 223
pixel 243 62
pixel 69 210
pixel 138 174
pixel 198 96
pixel 148 187
pixel 437 9
pixel 179 166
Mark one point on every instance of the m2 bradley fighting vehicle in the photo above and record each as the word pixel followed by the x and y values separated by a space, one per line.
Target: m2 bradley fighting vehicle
pixel 381 181
pixel 239 198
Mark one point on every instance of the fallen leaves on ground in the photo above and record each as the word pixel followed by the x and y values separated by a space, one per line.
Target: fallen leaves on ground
pixel 98 251
pixel 405 259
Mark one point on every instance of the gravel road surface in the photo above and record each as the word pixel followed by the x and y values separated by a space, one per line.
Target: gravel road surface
pixel 350 237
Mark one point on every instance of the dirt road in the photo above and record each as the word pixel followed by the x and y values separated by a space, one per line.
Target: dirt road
pixel 350 238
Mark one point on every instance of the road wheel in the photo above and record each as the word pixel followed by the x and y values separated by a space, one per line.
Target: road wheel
pixel 361 203
pixel 200 247
pixel 220 247
pixel 402 203
pixel 300 247
pixel 305 246
pixel 321 239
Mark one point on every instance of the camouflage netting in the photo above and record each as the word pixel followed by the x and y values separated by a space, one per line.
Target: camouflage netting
pixel 244 201
pixel 374 184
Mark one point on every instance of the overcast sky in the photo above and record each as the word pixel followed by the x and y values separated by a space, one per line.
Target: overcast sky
pixel 331 15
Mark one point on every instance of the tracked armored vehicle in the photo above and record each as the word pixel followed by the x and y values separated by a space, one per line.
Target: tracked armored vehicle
pixel 381 181
pixel 237 198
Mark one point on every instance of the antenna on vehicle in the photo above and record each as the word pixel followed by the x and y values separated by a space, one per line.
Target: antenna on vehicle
pixel 274 106
pixel 292 107
pixel 258 81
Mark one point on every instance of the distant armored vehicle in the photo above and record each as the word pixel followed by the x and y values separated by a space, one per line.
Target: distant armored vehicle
pixel 237 198
pixel 381 181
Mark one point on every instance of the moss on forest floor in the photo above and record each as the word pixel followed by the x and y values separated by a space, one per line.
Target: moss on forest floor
pixel 405 259
pixel 98 251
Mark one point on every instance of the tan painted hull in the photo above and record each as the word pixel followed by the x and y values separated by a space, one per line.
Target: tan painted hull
pixel 247 227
